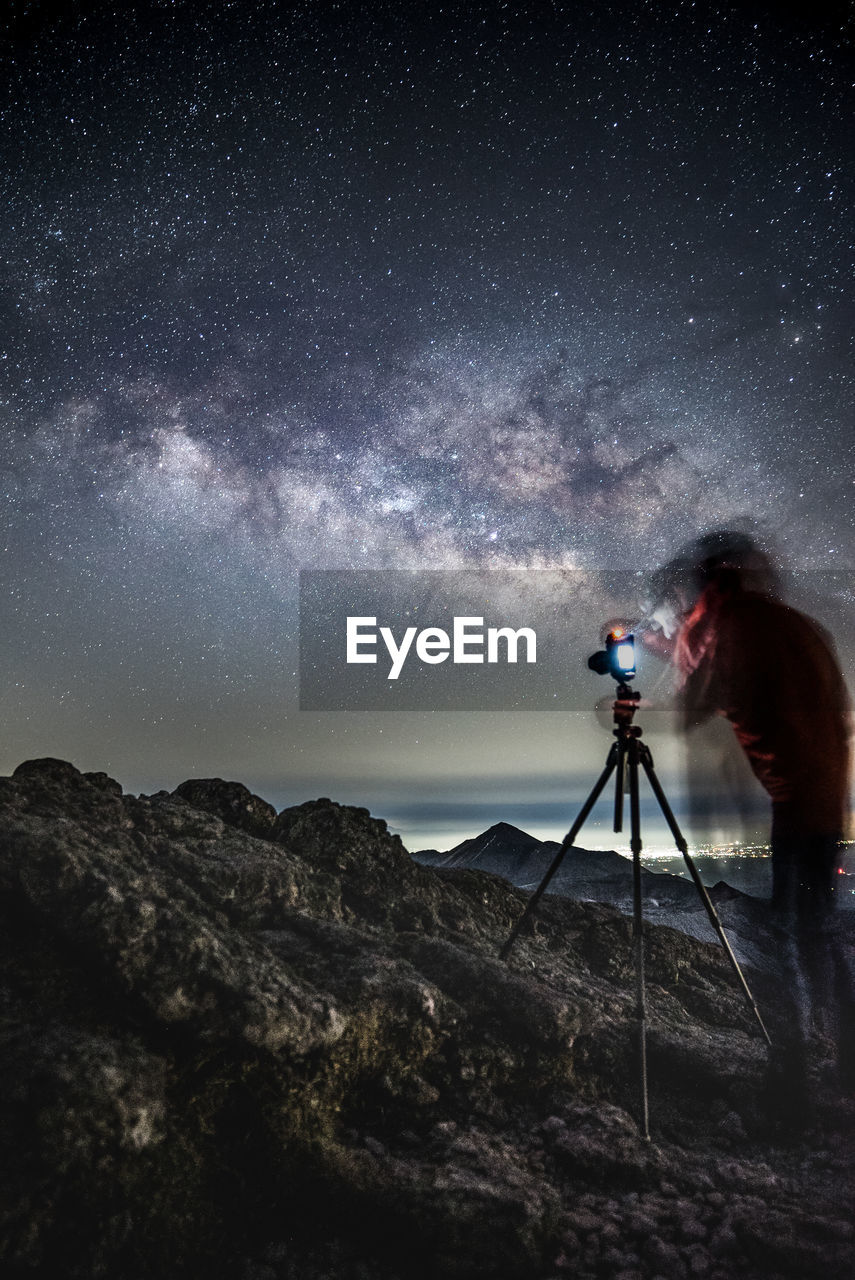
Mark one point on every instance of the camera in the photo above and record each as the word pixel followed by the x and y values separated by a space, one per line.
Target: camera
pixel 618 657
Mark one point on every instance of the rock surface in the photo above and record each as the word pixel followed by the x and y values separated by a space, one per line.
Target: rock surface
pixel 241 1044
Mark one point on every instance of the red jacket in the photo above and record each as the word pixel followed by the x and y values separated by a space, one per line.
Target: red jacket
pixel 774 674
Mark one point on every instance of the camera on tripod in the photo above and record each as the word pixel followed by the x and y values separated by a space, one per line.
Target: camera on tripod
pixel 618 657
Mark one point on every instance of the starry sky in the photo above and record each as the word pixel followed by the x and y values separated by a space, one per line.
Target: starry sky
pixel 374 286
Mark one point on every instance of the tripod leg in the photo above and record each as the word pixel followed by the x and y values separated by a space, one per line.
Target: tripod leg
pixel 620 783
pixel 680 841
pixel 638 933
pixel 531 905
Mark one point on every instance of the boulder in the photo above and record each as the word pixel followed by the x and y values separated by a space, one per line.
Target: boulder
pixel 231 801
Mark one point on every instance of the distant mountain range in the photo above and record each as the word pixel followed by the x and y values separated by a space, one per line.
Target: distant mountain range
pixel 595 874
pixel 606 876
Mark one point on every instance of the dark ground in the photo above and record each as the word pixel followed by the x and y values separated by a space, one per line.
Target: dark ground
pixel 273 1047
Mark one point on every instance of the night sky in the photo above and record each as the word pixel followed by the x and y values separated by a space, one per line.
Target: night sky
pixel 350 286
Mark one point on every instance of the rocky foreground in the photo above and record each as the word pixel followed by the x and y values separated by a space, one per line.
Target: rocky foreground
pixel 237 1043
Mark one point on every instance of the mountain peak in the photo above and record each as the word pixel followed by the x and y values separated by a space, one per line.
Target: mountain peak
pixel 507 830
pixel 502 834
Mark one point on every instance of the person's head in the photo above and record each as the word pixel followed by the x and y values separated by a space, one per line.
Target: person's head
pixel 731 561
pixel 725 559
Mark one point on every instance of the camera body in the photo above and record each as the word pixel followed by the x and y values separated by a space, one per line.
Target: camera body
pixel 618 657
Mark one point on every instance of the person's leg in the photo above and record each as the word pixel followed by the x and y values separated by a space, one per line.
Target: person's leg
pixel 825 959
pixel 784 863
pixel 789 1094
pixel 815 961
pixel 815 868
pixel 844 972
pixel 804 871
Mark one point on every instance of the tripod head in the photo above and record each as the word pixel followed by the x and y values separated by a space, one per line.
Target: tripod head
pixel 618 661
pixel 624 708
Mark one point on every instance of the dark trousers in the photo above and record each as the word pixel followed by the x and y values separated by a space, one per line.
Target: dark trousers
pixel 814 948
pixel 804 874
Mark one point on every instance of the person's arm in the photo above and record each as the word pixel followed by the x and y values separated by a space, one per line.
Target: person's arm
pixel 697 700
pixel 658 631
pixel 701 658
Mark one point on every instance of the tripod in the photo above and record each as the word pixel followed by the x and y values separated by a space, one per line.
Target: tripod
pixel 624 758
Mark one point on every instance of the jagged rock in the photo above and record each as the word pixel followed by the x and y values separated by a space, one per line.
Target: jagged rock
pixel 99 871
pixel 212 1041
pixel 350 847
pixel 231 801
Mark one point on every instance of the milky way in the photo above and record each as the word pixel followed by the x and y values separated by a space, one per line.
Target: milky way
pixel 333 286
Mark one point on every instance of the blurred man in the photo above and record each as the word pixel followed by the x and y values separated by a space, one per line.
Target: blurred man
pixel 772 672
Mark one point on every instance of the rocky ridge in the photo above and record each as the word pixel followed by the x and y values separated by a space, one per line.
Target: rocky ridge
pixel 273 1047
pixel 603 875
